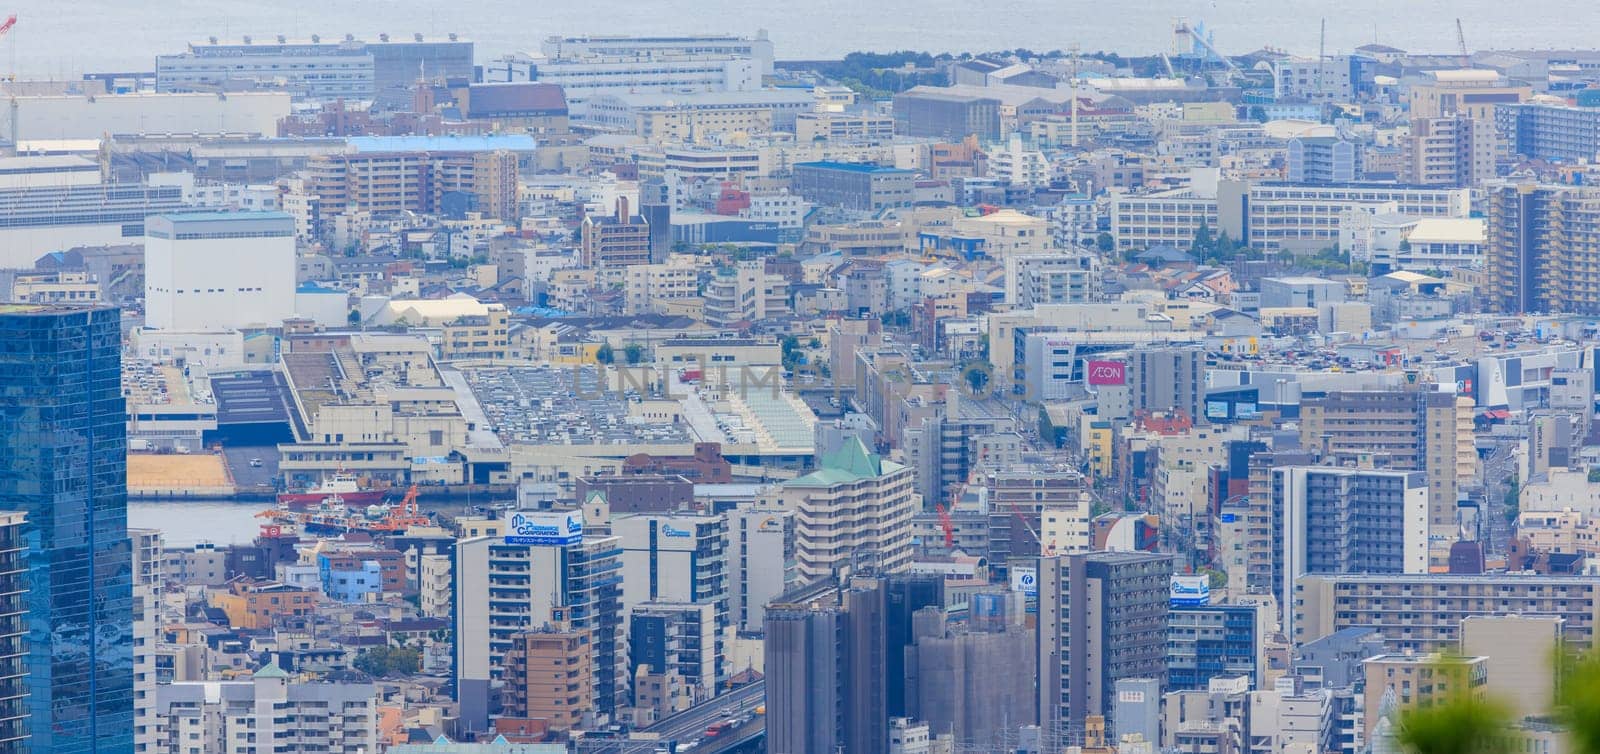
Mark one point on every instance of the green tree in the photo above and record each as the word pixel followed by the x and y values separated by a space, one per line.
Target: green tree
pixel 1105 244
pixel 605 355
pixel 1460 723
pixel 633 353
pixel 354 318
pixel 792 356
pixel 385 662
pixel 1204 245
pixel 1578 699
pixel 977 377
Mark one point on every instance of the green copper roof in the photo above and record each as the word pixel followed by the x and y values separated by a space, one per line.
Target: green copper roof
pixel 850 463
pixel 271 670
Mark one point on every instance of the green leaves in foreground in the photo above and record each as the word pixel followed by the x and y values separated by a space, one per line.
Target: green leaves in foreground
pixel 1578 700
pixel 1457 720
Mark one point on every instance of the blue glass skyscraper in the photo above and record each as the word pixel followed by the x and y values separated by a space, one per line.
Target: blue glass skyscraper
pixel 63 462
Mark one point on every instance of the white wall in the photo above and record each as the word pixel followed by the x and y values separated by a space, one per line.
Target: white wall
pixel 219 283
pixel 79 117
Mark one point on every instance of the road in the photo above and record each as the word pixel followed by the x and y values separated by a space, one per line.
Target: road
pixel 252 478
pixel 690 724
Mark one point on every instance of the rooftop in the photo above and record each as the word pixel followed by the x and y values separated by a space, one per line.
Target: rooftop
pixel 485 143
pixel 854 167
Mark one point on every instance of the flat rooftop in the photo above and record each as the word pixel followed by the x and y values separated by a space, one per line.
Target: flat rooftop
pixel 545 405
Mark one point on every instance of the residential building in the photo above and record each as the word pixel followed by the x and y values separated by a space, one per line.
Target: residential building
pixel 549 673
pixel 63 463
pixel 1102 618
pixel 835 657
pixel 384 176
pixel 148 579
pixel 698 117
pixel 1058 278
pixel 1415 430
pixel 259 605
pixel 1474 93
pixel 832 126
pixel 543 562
pixel 1542 243
pixel 1396 683
pixel 744 292
pixel 1168 380
pixel 14 635
pixel 1454 150
pixel 678 641
pixel 650 287
pixel 1214 641
pixel 973 682
pixel 762 562
pixel 1321 160
pixel 612 243
pixel 1347 520
pixel 675 558
pixel 861 187
pixel 1423 612
pixel 267 712
pixel 1554 133
pixel 853 512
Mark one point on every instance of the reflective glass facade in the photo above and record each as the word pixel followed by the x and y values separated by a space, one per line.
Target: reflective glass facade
pixel 63 463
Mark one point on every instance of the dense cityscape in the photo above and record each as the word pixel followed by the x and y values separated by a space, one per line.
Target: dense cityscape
pixel 389 394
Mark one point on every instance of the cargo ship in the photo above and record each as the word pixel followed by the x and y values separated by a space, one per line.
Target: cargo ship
pixel 335 515
pixel 345 486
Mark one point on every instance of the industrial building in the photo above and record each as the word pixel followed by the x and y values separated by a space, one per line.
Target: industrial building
pixel 219 271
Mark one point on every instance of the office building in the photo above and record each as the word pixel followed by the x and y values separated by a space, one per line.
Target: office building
pixel 744 292
pixel 1423 612
pixel 1054 503
pixel 853 513
pixel 612 243
pixel 1414 430
pixel 857 186
pixel 1138 708
pixel 929 111
pixel 543 562
pixel 1321 160
pixel 14 632
pixel 842 127
pixel 680 642
pixel 697 117
pixel 64 460
pixel 974 683
pixel 549 674
pixel 762 564
pixel 219 271
pixel 1102 618
pixel 1213 641
pixel 757 48
pixel 588 67
pixel 47 117
pixel 1453 151
pixel 268 712
pixel 655 205
pixel 1554 133
pixel 1543 241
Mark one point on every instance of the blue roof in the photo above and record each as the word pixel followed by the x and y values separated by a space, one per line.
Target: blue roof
pixel 311 287
pixel 856 167
pixel 486 143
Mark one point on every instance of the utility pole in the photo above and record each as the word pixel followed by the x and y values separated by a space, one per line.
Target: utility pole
pixel 1074 49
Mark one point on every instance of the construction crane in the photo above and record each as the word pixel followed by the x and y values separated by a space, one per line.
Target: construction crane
pixel 1461 42
pixel 946 524
pixel 5 28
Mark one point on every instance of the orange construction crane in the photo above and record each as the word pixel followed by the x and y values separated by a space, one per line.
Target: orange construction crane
pixel 946 524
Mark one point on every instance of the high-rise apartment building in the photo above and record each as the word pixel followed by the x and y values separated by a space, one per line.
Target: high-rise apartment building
pixel 1556 133
pixel 1102 618
pixel 148 577
pixel 854 513
pixel 612 243
pixel 836 661
pixel 761 562
pixel 1344 520
pixel 549 674
pixel 14 632
pixel 1213 641
pixel 973 682
pixel 1423 612
pixel 543 562
pixel 1168 380
pixel 679 641
pixel 1415 430
pixel 63 462
pixel 1453 150
pixel 677 559
pixel 1543 245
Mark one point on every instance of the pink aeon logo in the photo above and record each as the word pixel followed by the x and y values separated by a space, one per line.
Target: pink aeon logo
pixel 1108 373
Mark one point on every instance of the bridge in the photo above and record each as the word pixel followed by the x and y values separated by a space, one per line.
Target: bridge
pixel 691 724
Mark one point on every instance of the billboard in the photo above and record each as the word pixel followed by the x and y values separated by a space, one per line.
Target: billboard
pixel 1107 373
pixel 1191 591
pixel 1025 580
pixel 545 528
